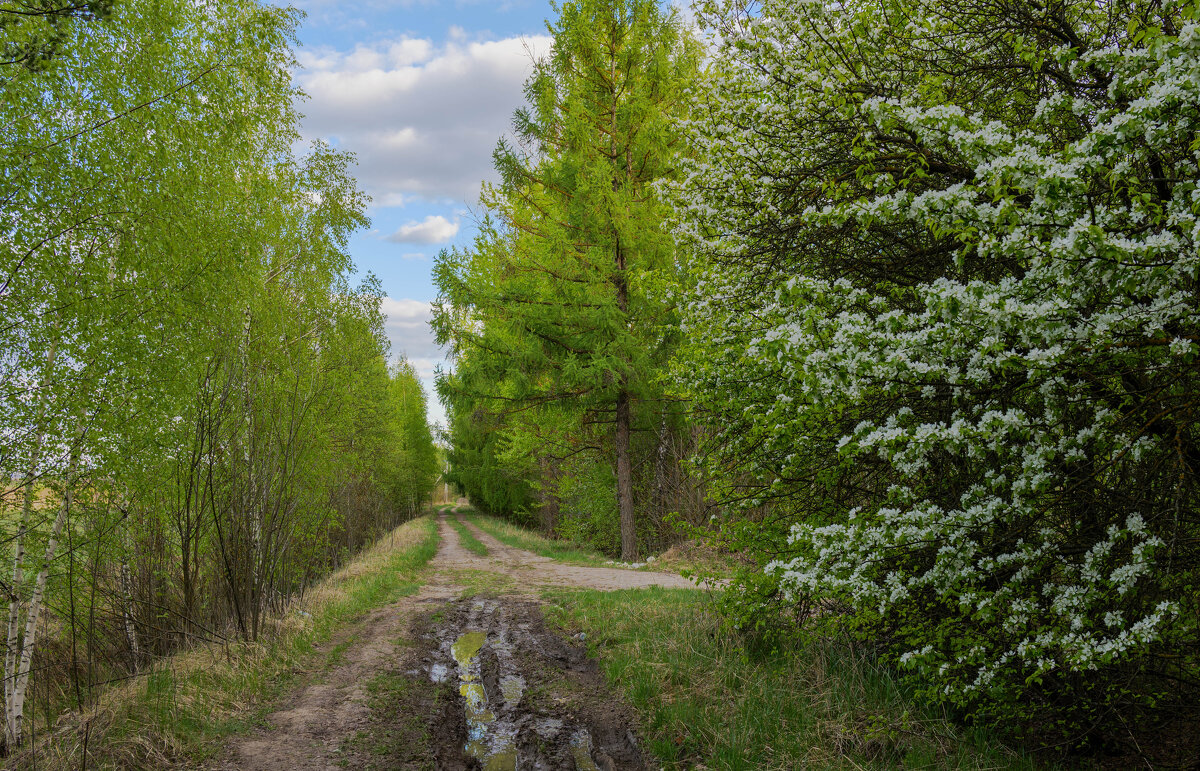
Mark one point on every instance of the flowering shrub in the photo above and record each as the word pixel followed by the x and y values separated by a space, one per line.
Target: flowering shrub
pixel 943 307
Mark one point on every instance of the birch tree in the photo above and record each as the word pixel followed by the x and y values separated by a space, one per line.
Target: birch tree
pixel 149 197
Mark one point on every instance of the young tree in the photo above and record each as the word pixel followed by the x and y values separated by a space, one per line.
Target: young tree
pixel 183 358
pixel 550 307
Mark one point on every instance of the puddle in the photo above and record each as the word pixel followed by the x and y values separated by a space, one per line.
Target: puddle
pixel 495 747
pixel 548 727
pixel 581 751
pixel 466 648
pixel 527 697
pixel 512 686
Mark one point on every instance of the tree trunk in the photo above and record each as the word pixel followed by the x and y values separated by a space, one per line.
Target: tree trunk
pixel 12 648
pixel 550 508
pixel 15 708
pixel 629 549
pixel 131 638
pixel 660 471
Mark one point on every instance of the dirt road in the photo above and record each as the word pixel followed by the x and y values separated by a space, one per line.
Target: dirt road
pixel 457 678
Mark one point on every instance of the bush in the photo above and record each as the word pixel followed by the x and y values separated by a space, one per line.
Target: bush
pixel 943 312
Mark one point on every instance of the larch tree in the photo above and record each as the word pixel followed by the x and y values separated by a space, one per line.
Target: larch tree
pixel 549 307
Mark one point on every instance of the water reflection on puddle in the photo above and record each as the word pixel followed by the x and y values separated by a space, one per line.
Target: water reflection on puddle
pixel 493 713
pixel 581 750
pixel 493 745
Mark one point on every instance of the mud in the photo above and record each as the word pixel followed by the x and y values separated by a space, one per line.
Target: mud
pixel 543 704
pixel 516 695
pixel 311 731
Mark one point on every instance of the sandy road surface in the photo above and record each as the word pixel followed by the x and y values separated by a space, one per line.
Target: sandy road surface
pixel 532 571
pixel 478 683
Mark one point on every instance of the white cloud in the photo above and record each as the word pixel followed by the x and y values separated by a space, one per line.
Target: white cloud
pixel 422 118
pixel 434 229
pixel 407 328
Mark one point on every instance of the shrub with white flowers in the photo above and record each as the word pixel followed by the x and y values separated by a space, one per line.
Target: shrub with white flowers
pixel 943 308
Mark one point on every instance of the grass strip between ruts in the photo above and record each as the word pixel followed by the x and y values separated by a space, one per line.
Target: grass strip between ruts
pixel 520 538
pixel 466 538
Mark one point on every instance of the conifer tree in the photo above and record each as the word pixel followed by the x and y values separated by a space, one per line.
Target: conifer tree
pixel 549 306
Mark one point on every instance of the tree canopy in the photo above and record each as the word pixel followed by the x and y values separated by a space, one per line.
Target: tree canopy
pixel 189 376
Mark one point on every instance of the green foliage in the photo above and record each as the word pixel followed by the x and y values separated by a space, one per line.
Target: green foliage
pixel 588 487
pixel 33 30
pixel 942 320
pixel 556 342
pixel 198 404
pixel 817 704
pixel 475 466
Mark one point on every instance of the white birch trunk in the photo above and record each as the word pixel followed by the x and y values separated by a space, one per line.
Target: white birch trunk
pixel 12 642
pixel 17 705
pixel 130 629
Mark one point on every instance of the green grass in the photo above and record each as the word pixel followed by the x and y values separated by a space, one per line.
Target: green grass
pixel 482 583
pixel 179 710
pixel 466 537
pixel 398 735
pixel 514 535
pixel 336 655
pixel 703 563
pixel 704 703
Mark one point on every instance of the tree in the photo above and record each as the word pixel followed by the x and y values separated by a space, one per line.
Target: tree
pixel 92 265
pixel 549 307
pixel 184 359
pixel 943 313
pixel 412 466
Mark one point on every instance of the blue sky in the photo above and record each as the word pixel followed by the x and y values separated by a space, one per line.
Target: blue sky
pixel 420 91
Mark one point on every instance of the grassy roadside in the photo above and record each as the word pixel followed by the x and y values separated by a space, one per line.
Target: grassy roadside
pixel 514 535
pixel 179 710
pixel 704 704
pixel 466 537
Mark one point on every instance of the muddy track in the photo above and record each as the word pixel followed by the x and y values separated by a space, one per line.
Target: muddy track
pixel 440 682
pixel 530 699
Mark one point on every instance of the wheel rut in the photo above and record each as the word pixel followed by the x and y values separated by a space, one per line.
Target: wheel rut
pixel 442 681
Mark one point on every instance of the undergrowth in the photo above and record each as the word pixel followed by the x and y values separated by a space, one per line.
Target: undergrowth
pixel 177 710
pixel 705 703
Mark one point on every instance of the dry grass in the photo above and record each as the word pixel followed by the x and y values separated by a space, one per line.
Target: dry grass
pixel 179 709
pixel 694 558
pixel 376 558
